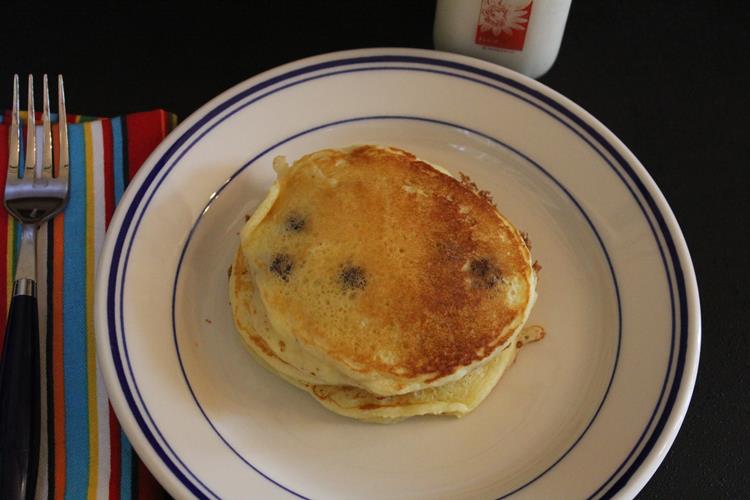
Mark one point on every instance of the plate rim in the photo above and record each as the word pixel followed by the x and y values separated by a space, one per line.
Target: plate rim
pixel 654 449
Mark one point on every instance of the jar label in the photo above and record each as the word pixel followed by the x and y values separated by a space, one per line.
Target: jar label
pixel 502 23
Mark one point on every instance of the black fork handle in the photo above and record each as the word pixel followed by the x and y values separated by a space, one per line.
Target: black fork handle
pixel 19 401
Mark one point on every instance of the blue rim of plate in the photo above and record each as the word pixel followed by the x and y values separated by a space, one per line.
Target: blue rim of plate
pixel 432 121
pixel 575 121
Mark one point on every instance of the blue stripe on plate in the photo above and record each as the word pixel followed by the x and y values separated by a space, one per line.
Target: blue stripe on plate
pixel 112 287
pixel 436 122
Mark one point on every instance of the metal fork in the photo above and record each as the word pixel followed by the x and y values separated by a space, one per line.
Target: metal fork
pixel 32 199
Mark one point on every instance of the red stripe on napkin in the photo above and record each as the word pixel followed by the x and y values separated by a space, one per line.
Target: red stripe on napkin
pixel 144 134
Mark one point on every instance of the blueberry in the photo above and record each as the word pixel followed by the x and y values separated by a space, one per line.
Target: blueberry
pixel 353 278
pixel 282 266
pixel 295 222
pixel 486 274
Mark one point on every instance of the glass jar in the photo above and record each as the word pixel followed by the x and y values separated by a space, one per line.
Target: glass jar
pixel 523 35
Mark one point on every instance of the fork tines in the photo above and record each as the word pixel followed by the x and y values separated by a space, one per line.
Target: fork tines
pixel 30 170
pixel 37 194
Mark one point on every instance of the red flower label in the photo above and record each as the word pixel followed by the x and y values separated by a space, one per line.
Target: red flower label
pixel 502 23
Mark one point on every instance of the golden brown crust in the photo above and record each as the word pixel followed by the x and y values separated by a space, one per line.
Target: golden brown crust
pixel 241 298
pixel 421 264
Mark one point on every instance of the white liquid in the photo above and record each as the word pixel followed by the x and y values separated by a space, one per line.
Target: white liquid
pixel 457 21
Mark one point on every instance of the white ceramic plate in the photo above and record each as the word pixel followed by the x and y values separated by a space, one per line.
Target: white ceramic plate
pixel 589 412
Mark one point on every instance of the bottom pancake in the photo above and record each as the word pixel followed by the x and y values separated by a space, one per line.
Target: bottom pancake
pixel 455 398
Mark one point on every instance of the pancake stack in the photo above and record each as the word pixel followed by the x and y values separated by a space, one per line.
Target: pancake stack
pixel 382 285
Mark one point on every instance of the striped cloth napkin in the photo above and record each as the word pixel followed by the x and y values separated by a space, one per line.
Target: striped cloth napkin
pixel 84 453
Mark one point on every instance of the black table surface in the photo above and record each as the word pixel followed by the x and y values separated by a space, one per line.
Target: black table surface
pixel 668 78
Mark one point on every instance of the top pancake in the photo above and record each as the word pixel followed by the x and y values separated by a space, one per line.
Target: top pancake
pixel 386 271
